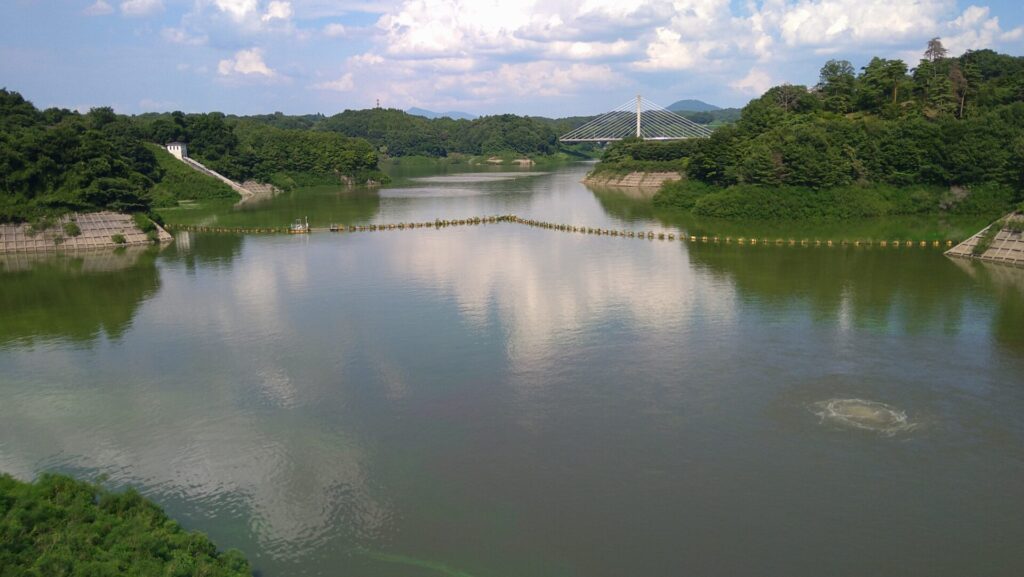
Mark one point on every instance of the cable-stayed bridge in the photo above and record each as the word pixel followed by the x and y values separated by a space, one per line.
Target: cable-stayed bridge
pixel 637 118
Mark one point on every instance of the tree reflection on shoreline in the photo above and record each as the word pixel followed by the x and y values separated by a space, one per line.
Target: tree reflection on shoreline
pixel 76 296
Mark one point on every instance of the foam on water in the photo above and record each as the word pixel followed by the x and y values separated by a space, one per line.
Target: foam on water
pixel 862 414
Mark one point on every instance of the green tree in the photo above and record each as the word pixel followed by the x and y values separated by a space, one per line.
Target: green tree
pixel 836 82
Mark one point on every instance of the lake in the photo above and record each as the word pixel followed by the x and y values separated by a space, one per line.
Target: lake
pixel 499 400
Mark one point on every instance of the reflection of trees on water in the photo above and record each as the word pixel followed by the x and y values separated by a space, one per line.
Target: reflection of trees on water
pixel 632 205
pixel 627 204
pixel 921 291
pixel 322 204
pixel 75 296
pixel 918 290
pixel 206 250
pixel 1006 284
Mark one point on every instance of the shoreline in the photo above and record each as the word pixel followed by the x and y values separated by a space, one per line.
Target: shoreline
pixel 79 231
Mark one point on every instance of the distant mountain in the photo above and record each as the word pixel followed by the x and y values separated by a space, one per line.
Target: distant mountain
pixel 450 114
pixel 692 106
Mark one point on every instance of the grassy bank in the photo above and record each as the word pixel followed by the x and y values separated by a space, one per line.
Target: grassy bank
pixel 748 202
pixel 60 526
pixel 179 182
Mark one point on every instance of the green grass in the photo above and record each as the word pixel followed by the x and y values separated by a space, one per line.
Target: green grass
pixel 180 182
pixel 627 166
pixel 986 239
pixel 58 526
pixel 72 229
pixel 749 202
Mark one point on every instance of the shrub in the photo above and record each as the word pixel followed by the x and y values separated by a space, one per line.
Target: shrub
pixel 118 239
pixel 144 224
pixel 986 239
pixel 60 526
pixel 682 194
pixel 72 229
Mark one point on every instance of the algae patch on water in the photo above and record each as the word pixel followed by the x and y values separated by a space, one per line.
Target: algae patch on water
pixel 862 414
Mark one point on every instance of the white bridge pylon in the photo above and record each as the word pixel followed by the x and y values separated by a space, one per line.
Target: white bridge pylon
pixel 637 118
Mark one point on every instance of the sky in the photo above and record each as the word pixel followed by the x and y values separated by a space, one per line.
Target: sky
pixel 539 57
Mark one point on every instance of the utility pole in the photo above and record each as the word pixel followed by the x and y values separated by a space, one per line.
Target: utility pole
pixel 638 115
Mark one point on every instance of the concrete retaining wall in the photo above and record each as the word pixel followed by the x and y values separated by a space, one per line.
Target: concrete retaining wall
pixel 652 180
pixel 97 230
pixel 1006 247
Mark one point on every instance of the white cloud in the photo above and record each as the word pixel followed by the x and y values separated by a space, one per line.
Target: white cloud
pixel 238 9
pixel 278 11
pixel 334 30
pixel 181 36
pixel 503 53
pixel 976 28
pixel 542 79
pixel 99 8
pixel 141 7
pixel 246 63
pixel 343 84
pixel 367 59
pixel 880 22
pixel 755 83
pixel 669 51
pixel 589 50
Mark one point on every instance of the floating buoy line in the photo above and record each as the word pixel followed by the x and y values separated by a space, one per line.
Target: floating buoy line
pixel 649 235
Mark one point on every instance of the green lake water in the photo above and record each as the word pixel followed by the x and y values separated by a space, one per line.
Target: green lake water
pixel 499 400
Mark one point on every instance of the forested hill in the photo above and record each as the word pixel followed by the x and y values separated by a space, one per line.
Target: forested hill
pixel 57 160
pixel 946 134
pixel 398 133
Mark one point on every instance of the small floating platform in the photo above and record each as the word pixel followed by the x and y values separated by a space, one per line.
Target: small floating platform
pixel 299 226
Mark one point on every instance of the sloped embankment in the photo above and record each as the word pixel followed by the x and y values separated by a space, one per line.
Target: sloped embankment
pixel 79 231
pixel 634 179
pixel 1001 241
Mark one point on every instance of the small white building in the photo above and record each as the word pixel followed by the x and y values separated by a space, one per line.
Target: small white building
pixel 178 149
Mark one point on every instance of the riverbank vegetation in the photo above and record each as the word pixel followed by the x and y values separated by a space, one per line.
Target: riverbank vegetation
pixel 57 160
pixel 62 527
pixel 944 137
pixel 179 182
pixel 637 155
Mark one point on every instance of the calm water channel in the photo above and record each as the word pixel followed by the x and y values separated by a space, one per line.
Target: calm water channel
pixel 498 400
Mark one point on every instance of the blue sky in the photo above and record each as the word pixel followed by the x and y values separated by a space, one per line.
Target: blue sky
pixel 545 57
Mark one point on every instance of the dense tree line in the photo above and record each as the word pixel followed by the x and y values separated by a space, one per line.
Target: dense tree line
pixel 60 526
pixel 396 133
pixel 58 160
pixel 954 124
pixel 265 147
pixel 288 156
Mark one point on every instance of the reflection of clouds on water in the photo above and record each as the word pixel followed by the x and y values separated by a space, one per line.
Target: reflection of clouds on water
pixel 475 177
pixel 195 430
pixel 547 287
pixel 294 477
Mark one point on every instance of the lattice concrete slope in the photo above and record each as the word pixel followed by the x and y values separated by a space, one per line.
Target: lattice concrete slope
pixel 1006 247
pixel 98 229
